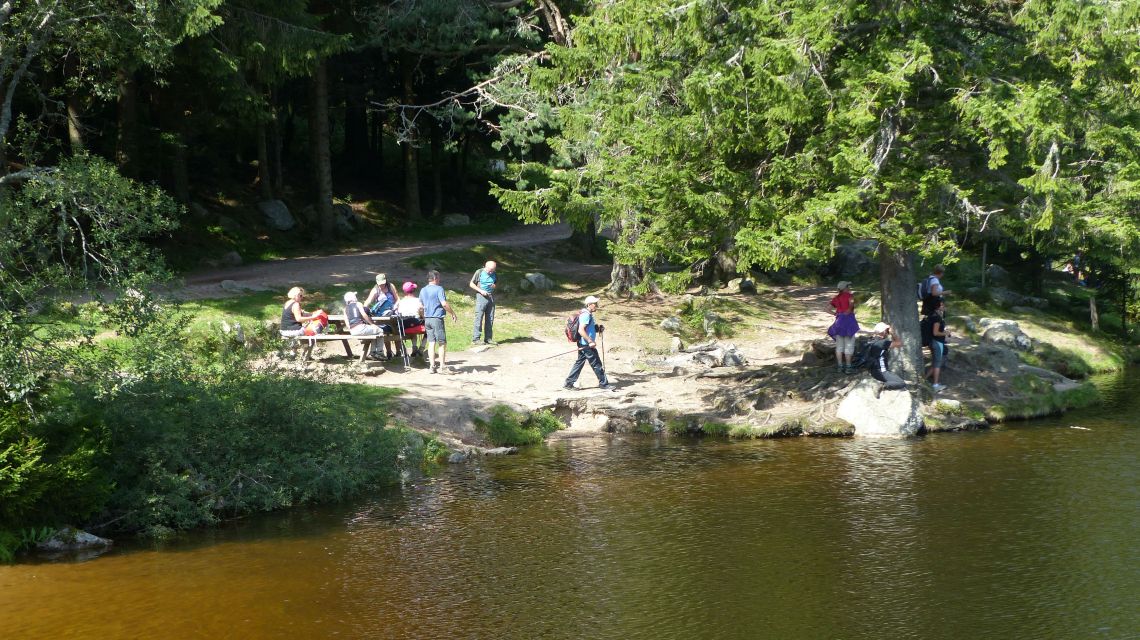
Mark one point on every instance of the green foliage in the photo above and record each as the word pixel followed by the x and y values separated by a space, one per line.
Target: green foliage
pixel 507 427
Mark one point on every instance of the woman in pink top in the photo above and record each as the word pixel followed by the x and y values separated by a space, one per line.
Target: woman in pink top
pixel 844 328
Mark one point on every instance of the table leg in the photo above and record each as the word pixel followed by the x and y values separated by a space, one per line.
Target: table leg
pixel 365 347
pixel 347 349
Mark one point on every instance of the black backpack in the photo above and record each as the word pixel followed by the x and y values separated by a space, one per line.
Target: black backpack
pixel 927 327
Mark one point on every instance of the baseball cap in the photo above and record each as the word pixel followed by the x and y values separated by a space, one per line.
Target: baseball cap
pixel 592 300
pixel 882 327
pixel 409 287
pixel 381 278
pixel 844 284
pixel 350 296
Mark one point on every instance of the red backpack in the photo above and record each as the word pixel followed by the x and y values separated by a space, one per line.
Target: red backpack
pixel 572 326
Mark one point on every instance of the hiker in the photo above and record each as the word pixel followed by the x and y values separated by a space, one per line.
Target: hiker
pixel 435 304
pixel 878 358
pixel 931 290
pixel 844 328
pixel 588 331
pixel 483 283
pixel 411 312
pixel 935 331
pixel 292 316
pixel 360 322
pixel 380 302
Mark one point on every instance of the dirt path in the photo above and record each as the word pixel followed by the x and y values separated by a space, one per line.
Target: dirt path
pixel 352 267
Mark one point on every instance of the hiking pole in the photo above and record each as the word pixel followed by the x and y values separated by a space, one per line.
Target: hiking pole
pixel 602 341
pixel 556 355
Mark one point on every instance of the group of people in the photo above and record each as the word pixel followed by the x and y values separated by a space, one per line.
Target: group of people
pixel 429 308
pixel 877 354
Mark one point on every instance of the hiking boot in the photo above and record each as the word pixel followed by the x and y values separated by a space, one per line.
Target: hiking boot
pixel 569 387
pixel 607 387
pixel 490 343
pixel 938 387
pixel 433 368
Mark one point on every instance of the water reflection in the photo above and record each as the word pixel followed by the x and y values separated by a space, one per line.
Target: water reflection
pixel 1027 531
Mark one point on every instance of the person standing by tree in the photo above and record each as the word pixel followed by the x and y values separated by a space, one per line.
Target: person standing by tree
pixel 435 304
pixel 844 328
pixel 932 290
pixel 935 323
pixel 588 330
pixel 483 283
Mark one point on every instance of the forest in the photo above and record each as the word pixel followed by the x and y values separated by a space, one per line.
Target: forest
pixel 706 138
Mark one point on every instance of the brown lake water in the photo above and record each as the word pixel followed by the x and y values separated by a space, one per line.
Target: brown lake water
pixel 1030 530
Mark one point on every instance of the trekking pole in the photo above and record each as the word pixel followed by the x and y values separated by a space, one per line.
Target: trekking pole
pixel 556 355
pixel 602 340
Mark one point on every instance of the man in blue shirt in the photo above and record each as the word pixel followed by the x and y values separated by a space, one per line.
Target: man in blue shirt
pixel 588 331
pixel 435 304
pixel 483 283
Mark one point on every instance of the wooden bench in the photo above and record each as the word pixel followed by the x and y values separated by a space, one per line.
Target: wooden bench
pixel 311 341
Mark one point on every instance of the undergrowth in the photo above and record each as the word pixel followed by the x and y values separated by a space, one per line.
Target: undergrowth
pixel 507 428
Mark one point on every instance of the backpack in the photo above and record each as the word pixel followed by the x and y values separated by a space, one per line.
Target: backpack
pixel 927 327
pixel 317 325
pixel 924 288
pixel 381 306
pixel 572 326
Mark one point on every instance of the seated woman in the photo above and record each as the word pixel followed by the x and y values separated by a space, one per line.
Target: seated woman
pixel 380 301
pixel 411 311
pixel 292 316
pixel 359 321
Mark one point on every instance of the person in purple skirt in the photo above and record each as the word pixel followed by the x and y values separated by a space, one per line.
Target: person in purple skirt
pixel 844 328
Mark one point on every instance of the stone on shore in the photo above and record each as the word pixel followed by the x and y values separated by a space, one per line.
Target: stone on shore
pixel 894 414
pixel 72 539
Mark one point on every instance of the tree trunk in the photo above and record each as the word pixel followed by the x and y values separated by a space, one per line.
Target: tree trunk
pixel 321 155
pixel 74 130
pixel 624 277
pixel 901 312
pixel 181 170
pixel 1125 290
pixel 436 170
pixel 985 246
pixel 264 182
pixel 585 239
pixel 355 132
pixel 411 158
pixel 1094 317
pixel 127 144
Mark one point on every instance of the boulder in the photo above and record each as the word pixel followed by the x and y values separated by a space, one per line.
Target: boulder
pixel 948 405
pixel 986 358
pixel 965 321
pixel 345 217
pixel 72 539
pixel 1004 332
pixel 740 285
pixel 672 324
pixel 894 414
pixel 535 282
pixel 456 220
pixel 277 214
pixel 854 258
pixel 675 345
pixel 996 275
pixel 230 259
pixel 1007 298
pixel 501 451
pixel 710 322
pixel 873 301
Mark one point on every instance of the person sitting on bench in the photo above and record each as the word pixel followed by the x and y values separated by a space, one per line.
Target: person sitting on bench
pixel 359 321
pixel 293 317
pixel 411 312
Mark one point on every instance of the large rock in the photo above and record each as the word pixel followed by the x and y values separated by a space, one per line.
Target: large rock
pixel 230 259
pixel 456 220
pixel 672 324
pixel 72 539
pixel 854 258
pixel 277 214
pixel 346 218
pixel 986 358
pixel 740 285
pixel 894 414
pixel 535 282
pixel 675 345
pixel 1006 333
pixel 996 275
pixel 1007 298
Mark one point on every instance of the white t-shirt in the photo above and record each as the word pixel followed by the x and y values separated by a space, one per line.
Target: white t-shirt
pixel 409 306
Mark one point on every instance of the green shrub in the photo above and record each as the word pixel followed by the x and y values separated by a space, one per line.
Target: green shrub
pixel 507 427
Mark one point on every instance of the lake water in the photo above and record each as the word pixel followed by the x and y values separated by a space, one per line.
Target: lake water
pixel 1029 530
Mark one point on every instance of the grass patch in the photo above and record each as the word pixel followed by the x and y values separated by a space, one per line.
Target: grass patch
pixel 1039 398
pixel 508 428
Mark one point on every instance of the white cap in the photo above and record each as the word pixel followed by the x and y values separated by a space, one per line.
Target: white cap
pixel 350 296
pixel 592 300
pixel 882 327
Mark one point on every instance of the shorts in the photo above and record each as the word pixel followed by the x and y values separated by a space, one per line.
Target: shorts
pixel 435 330
pixel 292 333
pixel 937 354
pixel 365 329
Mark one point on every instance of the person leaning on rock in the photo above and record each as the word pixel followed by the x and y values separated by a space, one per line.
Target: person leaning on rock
pixel 879 357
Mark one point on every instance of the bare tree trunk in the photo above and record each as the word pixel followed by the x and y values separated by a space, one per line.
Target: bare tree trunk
pixel 1094 317
pixel 411 158
pixel 265 188
pixel 321 154
pixel 436 170
pixel 901 312
pixel 624 277
pixel 985 246
pixel 276 169
pixel 74 130
pixel 127 144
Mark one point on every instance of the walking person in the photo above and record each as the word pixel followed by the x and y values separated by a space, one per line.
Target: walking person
pixel 588 330
pixel 844 328
pixel 483 283
pixel 435 304
pixel 360 322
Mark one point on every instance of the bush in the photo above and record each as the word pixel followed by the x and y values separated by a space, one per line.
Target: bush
pixel 507 427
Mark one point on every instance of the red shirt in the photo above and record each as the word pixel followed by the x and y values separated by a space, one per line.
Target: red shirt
pixel 843 302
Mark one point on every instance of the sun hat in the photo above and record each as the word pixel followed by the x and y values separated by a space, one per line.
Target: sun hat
pixel 882 327
pixel 350 296
pixel 409 286
pixel 844 284
pixel 381 278
pixel 592 300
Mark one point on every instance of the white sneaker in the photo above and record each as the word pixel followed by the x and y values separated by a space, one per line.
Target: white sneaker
pixel 938 387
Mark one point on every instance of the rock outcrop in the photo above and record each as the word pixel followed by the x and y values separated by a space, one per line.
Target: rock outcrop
pixel 893 414
pixel 276 214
